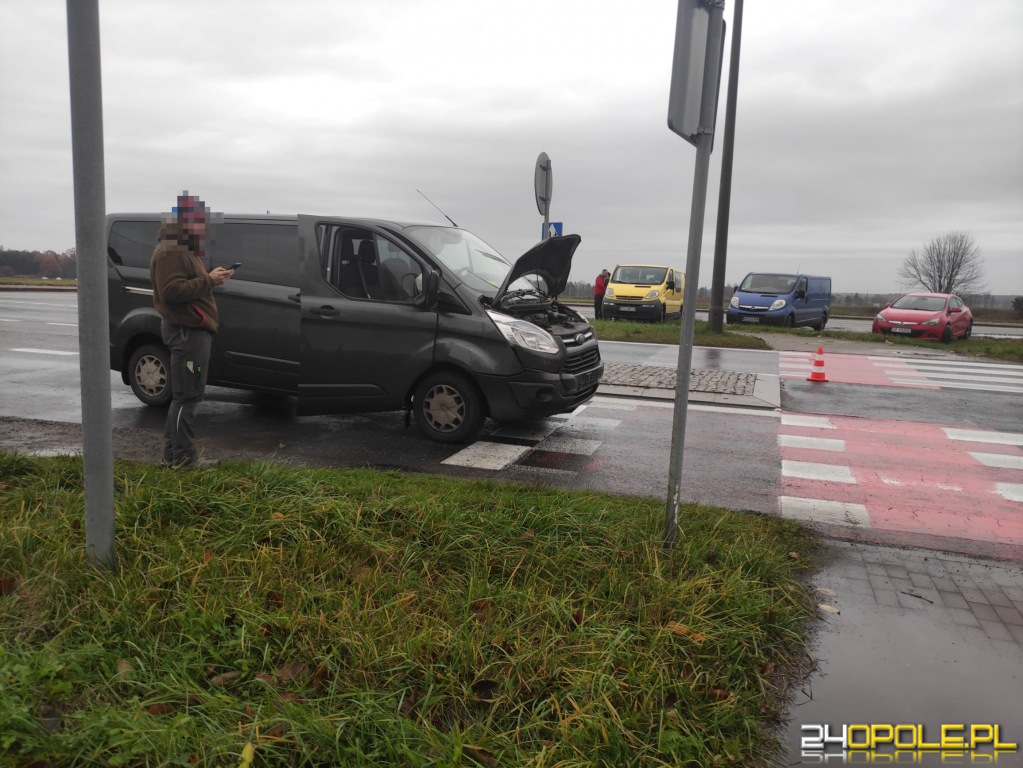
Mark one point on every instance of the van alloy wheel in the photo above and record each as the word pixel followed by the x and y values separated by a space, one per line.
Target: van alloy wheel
pixel 149 374
pixel 448 407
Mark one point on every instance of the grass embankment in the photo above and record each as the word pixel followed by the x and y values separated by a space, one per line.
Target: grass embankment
pixel 358 618
pixel 33 281
pixel 1008 350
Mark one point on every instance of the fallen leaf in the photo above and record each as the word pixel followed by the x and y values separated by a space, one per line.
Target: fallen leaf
pixel 250 711
pixel 290 673
pixel 124 669
pixel 828 608
pixel 276 516
pixel 276 732
pixel 49 717
pixel 207 556
pixel 193 759
pixel 274 599
pixel 528 536
pixel 248 755
pixel 793 555
pixel 160 709
pixel 483 607
pixel 193 698
pixel 577 617
pixel 7 585
pixel 826 591
pixel 266 678
pixel 225 677
pixel 480 755
pixel 678 629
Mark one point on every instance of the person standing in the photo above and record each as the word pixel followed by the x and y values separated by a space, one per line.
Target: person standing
pixel 183 295
pixel 599 286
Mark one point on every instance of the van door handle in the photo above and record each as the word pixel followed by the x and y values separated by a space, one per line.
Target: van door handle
pixel 296 297
pixel 324 311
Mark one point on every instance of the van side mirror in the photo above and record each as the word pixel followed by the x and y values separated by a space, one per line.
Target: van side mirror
pixel 800 294
pixel 431 287
pixel 671 285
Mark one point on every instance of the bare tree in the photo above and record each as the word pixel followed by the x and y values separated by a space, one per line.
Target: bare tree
pixel 950 263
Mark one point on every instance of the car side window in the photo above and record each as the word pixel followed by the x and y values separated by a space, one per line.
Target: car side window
pixel 802 285
pixel 362 264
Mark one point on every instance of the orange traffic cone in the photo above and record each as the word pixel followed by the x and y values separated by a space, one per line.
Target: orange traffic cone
pixel 817 372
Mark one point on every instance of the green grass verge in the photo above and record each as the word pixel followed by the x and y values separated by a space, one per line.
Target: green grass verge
pixel 358 618
pixel 669 333
pixel 1008 350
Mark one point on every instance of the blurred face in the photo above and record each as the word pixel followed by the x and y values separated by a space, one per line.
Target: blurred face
pixel 194 223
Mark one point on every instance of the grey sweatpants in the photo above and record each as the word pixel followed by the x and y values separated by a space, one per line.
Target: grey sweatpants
pixel 190 356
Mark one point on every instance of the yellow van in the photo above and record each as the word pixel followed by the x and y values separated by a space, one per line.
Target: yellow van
pixel 644 292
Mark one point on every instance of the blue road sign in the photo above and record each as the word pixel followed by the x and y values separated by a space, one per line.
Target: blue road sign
pixel 553 230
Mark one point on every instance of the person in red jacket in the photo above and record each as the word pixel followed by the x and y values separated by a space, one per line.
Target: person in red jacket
pixel 599 286
pixel 183 295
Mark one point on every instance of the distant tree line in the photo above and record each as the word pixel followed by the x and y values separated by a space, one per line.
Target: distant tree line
pixel 48 264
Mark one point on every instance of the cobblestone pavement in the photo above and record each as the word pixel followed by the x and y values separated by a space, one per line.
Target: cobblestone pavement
pixel 659 377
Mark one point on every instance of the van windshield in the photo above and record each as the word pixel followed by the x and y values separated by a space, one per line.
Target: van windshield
pixel 639 275
pixel 472 260
pixel 776 284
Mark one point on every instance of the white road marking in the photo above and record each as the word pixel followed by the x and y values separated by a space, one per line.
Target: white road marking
pixel 575 445
pixel 809 470
pixel 796 420
pixel 67 325
pixel 822 511
pixel 815 443
pixel 941 377
pixel 9 320
pixel 999 460
pixel 592 422
pixel 485 455
pixel 42 351
pixel 980 436
pixel 1010 491
pixel 950 385
pixel 536 430
pixel 945 364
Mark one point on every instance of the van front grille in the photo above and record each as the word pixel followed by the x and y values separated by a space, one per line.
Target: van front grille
pixel 588 359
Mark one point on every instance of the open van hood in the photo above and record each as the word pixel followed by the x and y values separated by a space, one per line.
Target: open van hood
pixel 551 259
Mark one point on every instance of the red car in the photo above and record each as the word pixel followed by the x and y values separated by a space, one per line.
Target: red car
pixel 928 316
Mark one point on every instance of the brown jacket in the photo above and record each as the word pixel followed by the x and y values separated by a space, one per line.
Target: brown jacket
pixel 182 291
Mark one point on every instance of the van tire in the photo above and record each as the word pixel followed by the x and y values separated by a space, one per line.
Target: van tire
pixel 790 321
pixel 819 326
pixel 149 374
pixel 448 407
pixel 660 314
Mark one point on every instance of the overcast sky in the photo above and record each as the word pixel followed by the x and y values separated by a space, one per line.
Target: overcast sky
pixel 864 129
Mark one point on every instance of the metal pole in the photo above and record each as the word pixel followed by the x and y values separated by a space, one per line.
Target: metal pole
pixel 717 283
pixel 93 329
pixel 696 216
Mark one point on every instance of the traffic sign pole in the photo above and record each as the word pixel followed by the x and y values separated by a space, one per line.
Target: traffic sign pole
pixel 704 141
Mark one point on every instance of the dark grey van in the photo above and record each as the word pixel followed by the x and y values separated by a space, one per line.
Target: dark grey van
pixel 368 315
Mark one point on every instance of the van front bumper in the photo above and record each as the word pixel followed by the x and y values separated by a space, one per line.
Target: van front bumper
pixel 630 310
pixel 767 317
pixel 533 393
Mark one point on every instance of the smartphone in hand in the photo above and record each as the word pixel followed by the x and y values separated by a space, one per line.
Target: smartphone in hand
pixel 235 265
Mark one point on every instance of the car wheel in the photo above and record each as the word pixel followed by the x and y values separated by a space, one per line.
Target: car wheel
pixel 946 335
pixel 969 331
pixel 823 322
pixel 659 317
pixel 149 374
pixel 790 321
pixel 448 407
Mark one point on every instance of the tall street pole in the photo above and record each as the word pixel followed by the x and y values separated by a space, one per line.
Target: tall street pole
pixel 717 283
pixel 93 329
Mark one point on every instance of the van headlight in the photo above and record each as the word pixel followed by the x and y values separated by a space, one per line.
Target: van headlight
pixel 778 304
pixel 609 291
pixel 734 302
pixel 519 333
pixel 652 294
